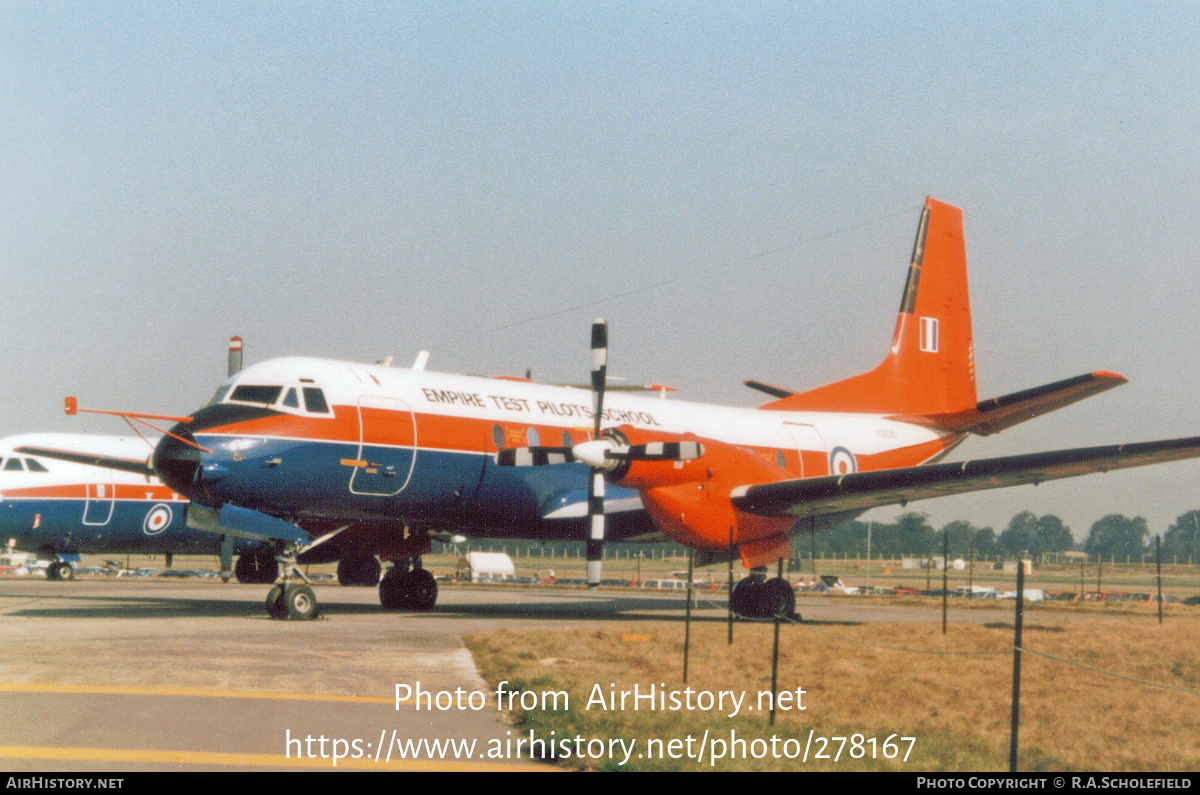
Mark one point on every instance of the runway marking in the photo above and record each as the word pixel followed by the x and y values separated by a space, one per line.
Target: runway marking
pixel 119 690
pixel 249 760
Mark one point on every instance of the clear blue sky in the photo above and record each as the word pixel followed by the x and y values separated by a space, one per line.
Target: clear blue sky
pixel 734 186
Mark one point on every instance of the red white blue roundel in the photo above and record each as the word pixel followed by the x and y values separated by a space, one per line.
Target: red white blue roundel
pixel 157 520
pixel 841 461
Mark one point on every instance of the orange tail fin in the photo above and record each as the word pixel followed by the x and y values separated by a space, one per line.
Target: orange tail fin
pixel 930 368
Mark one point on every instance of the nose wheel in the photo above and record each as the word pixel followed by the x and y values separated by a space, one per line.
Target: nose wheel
pixel 292 600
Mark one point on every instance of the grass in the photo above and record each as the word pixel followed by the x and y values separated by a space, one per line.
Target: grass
pixel 957 706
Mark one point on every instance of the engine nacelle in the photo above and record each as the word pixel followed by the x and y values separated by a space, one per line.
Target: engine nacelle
pixel 690 500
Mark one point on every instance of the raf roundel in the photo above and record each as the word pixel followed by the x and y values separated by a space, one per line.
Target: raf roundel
pixel 157 520
pixel 841 461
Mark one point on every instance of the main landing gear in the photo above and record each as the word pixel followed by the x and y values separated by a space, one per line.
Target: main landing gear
pixel 757 597
pixel 60 570
pixel 405 588
pixel 361 570
pixel 257 567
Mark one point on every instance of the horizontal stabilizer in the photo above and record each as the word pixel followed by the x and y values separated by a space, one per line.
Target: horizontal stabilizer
pixel 107 462
pixel 770 389
pixel 992 416
pixel 861 491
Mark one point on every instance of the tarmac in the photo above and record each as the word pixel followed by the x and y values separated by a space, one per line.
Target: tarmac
pixel 123 676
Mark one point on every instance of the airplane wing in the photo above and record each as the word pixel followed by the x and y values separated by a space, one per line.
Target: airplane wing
pixel 860 491
pixel 141 467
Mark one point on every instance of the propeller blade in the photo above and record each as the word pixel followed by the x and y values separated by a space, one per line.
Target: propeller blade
pixel 599 371
pixel 533 456
pixel 595 542
pixel 658 451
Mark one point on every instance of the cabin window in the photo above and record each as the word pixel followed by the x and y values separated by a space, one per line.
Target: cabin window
pixel 498 436
pixel 566 439
pixel 256 394
pixel 314 400
pixel 532 438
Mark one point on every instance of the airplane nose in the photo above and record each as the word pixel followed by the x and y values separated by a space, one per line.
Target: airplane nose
pixel 178 462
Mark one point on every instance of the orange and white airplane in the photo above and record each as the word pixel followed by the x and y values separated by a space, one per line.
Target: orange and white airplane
pixel 337 460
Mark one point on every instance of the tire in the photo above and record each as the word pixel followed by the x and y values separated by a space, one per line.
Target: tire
pixel 778 599
pixel 395 590
pixel 275 606
pixel 359 571
pixel 256 569
pixel 745 601
pixel 300 603
pixel 60 570
pixel 423 590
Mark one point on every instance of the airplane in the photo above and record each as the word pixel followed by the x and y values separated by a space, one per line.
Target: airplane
pixel 60 509
pixel 334 460
pixel 63 507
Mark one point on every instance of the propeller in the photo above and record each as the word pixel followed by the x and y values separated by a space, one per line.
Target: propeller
pixel 603 453
pixel 595 543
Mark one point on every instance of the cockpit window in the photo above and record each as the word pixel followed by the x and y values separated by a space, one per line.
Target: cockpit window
pixel 35 465
pixel 314 400
pixel 290 400
pixel 13 465
pixel 256 394
pixel 219 395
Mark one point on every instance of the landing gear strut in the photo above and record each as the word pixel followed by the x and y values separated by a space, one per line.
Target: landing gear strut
pixel 403 588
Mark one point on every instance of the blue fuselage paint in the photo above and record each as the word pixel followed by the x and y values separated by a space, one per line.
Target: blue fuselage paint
pixel 52 526
pixel 442 490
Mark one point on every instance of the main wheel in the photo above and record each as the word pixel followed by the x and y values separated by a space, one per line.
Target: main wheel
pixel 423 589
pixel 746 598
pixel 300 602
pixel 778 598
pixel 59 570
pixel 395 590
pixel 257 568
pixel 358 571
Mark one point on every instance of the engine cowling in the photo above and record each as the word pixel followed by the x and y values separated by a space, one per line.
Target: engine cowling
pixel 690 500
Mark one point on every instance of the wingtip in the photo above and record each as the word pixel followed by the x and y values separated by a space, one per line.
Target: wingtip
pixel 1109 375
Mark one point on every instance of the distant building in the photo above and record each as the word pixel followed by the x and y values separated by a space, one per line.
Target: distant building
pixel 485 567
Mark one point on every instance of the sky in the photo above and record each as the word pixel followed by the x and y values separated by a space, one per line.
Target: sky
pixel 734 186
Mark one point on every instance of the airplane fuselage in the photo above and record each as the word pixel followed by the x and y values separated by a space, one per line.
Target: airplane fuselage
pixel 379 444
pixel 60 507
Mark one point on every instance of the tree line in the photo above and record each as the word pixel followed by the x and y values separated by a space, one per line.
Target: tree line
pixel 1026 534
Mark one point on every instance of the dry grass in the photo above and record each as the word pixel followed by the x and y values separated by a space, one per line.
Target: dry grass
pixel 956 705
